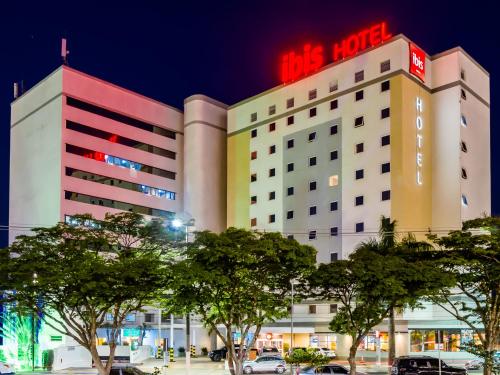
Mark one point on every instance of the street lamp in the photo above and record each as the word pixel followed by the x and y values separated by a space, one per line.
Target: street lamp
pixel 292 282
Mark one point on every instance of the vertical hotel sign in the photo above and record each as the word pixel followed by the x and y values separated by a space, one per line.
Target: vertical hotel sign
pixel 419 124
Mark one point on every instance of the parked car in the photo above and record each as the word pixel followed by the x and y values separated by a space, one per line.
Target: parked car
pixel 5 369
pixel 326 352
pixel 269 350
pixel 423 365
pixel 126 370
pixel 267 363
pixel 219 354
pixel 327 369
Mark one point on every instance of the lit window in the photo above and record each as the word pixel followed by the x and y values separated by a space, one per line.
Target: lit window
pixel 385 86
pixel 464 174
pixel 312 210
pixel 272 218
pixel 312 185
pixel 463 121
pixel 312 94
pixel 272 110
pixel 360 173
pixel 360 95
pixel 334 155
pixel 312 136
pixel 360 227
pixel 312 234
pixel 312 161
pixel 334 231
pixel 384 113
pixel 359 200
pixel 334 206
pixel 333 180
pixel 334 104
pixel 289 215
pixel 334 85
pixel 465 203
pixel 385 66
pixel 130 318
pixel 272 195
pixel 359 121
pixel 290 103
pixel 290 190
pixel 386 195
pixel 385 168
pixel 254 133
pixel 253 117
pixel 313 112
pixel 359 76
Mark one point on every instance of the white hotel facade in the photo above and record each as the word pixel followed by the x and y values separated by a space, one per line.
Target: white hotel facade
pixel 320 159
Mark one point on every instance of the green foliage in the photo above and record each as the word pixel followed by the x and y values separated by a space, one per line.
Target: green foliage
pixel 471 258
pixel 76 274
pixel 47 359
pixel 238 278
pixel 309 356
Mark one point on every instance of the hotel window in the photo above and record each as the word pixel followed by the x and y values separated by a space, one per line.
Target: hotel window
pixel 130 318
pixel 385 140
pixel 312 161
pixel 272 172
pixel 290 237
pixel 313 94
pixel 385 86
pixel 290 143
pixel 272 126
pixel 359 76
pixel 359 200
pixel 385 168
pixel 253 222
pixel 253 117
pixel 360 227
pixel 253 199
pixel 290 120
pixel 359 95
pixel 463 95
pixel 384 113
pixel 311 137
pixel 272 149
pixel 289 215
pixel 272 195
pixel 334 231
pixel 290 167
pixel 333 306
pixel 290 103
pixel 385 66
pixel 462 74
pixel 272 218
pixel 254 133
pixel 334 129
pixel 312 234
pixel 312 185
pixel 253 155
pixel 272 110
pixel 333 180
pixel 463 121
pixel 313 112
pixel 334 104
pixel 360 173
pixel 334 257
pixel 334 85
pixel 360 147
pixel 334 155
pixel 465 202
pixel 253 177
pixel 312 210
pixel 312 309
pixel 359 121
pixel 464 174
pixel 149 318
pixel 334 206
pixel 463 146
pixel 386 195
pixel 290 191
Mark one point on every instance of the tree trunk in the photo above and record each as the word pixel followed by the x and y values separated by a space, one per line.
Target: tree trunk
pixel 392 339
pixel 352 357
pixel 101 369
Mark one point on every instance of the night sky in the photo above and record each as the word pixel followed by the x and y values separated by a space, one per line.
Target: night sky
pixel 169 50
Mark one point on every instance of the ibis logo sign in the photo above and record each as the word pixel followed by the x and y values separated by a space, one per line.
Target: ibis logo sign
pixel 417 62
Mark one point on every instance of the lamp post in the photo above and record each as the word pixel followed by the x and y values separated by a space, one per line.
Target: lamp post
pixel 292 282
pixel 177 223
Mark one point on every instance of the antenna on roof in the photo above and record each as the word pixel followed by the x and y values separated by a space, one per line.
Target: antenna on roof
pixel 64 51
pixel 16 90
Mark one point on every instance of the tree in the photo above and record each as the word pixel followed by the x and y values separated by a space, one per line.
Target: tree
pixel 237 280
pixel 369 285
pixel 471 258
pixel 309 356
pixel 76 276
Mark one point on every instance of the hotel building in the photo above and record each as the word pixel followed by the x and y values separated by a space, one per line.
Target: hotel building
pixel 387 131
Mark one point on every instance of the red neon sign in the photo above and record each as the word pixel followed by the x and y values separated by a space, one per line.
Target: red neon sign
pixel 417 62
pixel 297 65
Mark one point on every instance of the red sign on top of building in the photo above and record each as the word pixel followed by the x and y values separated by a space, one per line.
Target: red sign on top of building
pixel 311 58
pixel 417 62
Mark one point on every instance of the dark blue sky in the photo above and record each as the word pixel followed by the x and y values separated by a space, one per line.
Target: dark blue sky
pixel 230 50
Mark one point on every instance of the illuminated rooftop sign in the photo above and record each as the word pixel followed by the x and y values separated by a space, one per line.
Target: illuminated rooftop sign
pixel 312 57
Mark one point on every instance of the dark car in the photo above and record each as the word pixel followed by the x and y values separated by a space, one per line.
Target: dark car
pixel 218 354
pixel 126 370
pixel 331 369
pixel 423 365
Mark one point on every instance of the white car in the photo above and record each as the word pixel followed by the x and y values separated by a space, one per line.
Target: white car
pixel 326 352
pixel 265 364
pixel 5 369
